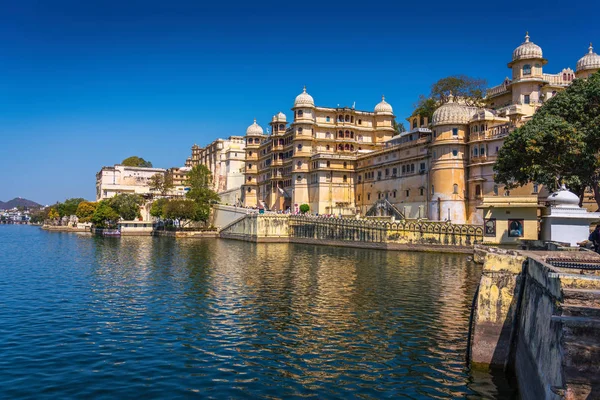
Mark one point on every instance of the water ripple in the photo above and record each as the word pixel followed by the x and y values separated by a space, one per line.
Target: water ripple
pixel 155 317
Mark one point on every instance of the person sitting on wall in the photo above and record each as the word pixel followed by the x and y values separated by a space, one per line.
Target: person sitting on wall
pixel 595 238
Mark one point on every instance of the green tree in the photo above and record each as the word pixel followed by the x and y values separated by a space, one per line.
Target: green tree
pixel 181 209
pixel 85 210
pixel 162 183
pixel 469 90
pixel 135 161
pixel 40 215
pixel 105 216
pixel 304 208
pixel 127 205
pixel 199 181
pixel 157 208
pixel 561 142
pixel 69 207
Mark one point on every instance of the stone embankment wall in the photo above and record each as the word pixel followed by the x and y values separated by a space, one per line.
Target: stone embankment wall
pixel 403 235
pixel 223 215
pixel 186 234
pixel 540 321
pixel 67 228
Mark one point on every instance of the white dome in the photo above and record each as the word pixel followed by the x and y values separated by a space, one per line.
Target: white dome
pixel 590 61
pixel 281 117
pixel 384 107
pixel 527 50
pixel 451 113
pixel 564 198
pixel 304 100
pixel 254 129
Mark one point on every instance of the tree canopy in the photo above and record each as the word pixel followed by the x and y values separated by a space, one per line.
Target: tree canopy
pixel 468 89
pixel 199 181
pixel 127 205
pixel 135 161
pixel 398 128
pixel 561 142
pixel 104 215
pixel 69 207
pixel 157 208
pixel 181 209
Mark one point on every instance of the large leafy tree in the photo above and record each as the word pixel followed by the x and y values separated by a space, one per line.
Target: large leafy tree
pixel 69 207
pixel 181 209
pixel 158 207
pixel 104 215
pixel 127 205
pixel 470 90
pixel 199 180
pixel 561 143
pixel 398 128
pixel 135 161
pixel 85 210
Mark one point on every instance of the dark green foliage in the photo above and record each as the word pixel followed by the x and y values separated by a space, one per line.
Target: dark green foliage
pixel 105 216
pixel 157 208
pixel 69 207
pixel 127 205
pixel 180 209
pixel 304 208
pixel 135 161
pixel 561 143
pixel 199 181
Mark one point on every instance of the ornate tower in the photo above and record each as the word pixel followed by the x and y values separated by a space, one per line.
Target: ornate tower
pixel 303 128
pixel 254 137
pixel 449 154
pixel 384 121
pixel 527 75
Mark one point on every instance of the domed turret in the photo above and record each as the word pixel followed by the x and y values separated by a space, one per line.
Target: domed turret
pixel 564 198
pixel 451 113
pixel 588 62
pixel 304 100
pixel 527 50
pixel 254 129
pixel 383 107
pixel 281 117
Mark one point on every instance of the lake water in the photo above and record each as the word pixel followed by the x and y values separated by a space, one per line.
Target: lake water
pixel 92 317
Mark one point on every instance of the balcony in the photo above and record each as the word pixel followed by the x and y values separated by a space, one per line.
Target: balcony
pixel 496 132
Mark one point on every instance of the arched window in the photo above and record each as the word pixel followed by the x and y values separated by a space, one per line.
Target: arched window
pixel 351 135
pixel 281 127
pixel 345 164
pixel 249 166
pixel 414 123
pixel 300 113
pixel 482 127
pixel 347 147
pixel 564 76
pixel 347 118
pixel 328 164
pixel 527 69
pixel 345 178
pixel 341 134
pixel 351 147
pixel 250 154
pixel 340 118
pixel 455 189
pixel 475 152
pixel 477 190
pixel 482 151
pixel 341 147
pixel 327 147
pixel 495 190
pixel 327 119
pixel 249 190
pixel 300 131
pixel 249 178
pixel 347 134
pixel 299 164
pixel 360 121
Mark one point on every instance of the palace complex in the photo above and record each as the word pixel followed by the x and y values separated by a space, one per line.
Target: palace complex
pixel 340 160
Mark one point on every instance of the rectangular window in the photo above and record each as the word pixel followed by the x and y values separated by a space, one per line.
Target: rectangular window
pixel 455 152
pixel 422 166
pixel 454 131
pixel 527 99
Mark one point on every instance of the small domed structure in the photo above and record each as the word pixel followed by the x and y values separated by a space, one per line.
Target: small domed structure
pixel 590 61
pixel 564 198
pixel 527 50
pixel 281 117
pixel 304 100
pixel 254 129
pixel 451 113
pixel 383 107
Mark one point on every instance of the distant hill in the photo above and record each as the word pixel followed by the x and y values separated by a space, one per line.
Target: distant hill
pixel 18 202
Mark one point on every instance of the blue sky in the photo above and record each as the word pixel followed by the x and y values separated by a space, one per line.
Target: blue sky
pixel 88 83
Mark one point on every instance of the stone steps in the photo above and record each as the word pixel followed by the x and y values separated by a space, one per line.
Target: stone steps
pixel 581 298
pixel 578 311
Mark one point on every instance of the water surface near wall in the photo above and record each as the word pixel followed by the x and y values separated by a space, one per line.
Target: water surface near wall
pixel 87 316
